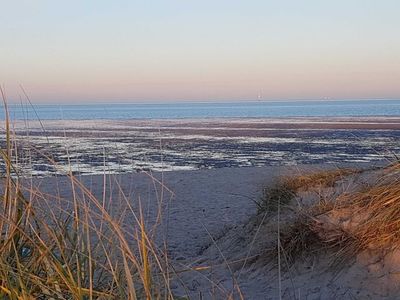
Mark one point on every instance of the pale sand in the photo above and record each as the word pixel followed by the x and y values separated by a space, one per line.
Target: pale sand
pixel 207 217
pixel 216 199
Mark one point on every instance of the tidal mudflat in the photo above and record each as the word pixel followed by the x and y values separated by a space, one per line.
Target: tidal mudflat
pixel 120 146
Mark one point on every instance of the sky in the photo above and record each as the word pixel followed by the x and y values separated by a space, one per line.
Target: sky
pixel 186 50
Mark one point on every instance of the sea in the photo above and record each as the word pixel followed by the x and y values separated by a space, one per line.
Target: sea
pixel 123 138
pixel 197 110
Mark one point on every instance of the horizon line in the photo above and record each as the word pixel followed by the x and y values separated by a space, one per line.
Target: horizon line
pixel 171 101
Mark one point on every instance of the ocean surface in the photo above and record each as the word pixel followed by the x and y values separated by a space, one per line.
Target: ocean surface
pixel 123 138
pixel 255 109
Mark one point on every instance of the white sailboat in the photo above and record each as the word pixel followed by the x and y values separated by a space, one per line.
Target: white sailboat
pixel 260 95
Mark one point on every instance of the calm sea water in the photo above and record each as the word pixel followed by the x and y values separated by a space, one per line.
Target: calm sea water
pixel 257 109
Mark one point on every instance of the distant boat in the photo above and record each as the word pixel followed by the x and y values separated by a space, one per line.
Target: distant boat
pixel 260 95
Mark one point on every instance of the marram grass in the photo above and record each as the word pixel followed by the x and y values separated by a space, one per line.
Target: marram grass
pixel 49 251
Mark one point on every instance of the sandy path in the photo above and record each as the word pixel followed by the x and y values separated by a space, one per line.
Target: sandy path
pixel 193 202
pixel 203 200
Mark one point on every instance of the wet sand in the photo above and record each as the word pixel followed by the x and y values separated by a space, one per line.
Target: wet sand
pixel 126 146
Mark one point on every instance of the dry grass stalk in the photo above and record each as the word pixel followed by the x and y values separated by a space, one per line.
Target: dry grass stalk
pixel 320 179
pixel 49 252
pixel 285 190
pixel 368 219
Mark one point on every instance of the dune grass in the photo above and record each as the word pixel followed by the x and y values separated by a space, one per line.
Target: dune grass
pixel 348 223
pixel 78 248
pixel 285 189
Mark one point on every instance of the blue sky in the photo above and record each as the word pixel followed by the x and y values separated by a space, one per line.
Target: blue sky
pixel 105 51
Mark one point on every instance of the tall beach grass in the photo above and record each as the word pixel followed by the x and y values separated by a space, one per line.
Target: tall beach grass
pixel 77 248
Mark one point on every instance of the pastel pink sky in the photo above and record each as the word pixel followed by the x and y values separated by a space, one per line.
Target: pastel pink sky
pixel 100 51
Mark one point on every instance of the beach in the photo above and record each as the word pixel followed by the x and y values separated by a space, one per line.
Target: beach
pixel 200 150
pixel 207 220
pixel 197 189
